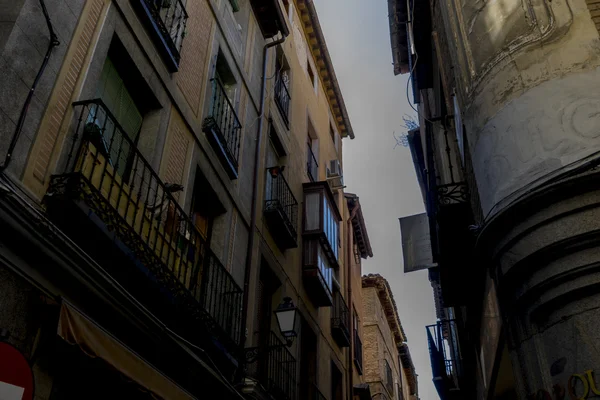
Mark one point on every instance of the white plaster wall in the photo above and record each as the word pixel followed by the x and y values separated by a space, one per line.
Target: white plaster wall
pixel 533 106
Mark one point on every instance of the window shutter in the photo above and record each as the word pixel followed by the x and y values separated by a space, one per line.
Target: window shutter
pixel 112 91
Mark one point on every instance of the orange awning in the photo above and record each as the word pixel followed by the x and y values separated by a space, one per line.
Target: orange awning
pixel 77 329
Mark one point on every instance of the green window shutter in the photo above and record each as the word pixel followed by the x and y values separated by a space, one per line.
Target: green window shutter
pixel 112 91
pixel 235 5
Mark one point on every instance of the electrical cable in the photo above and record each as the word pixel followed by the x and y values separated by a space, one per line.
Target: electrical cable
pixel 21 121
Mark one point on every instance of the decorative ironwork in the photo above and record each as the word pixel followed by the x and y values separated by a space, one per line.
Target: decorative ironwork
pixel 281 199
pixel 452 193
pixel 170 18
pixel 273 365
pixel 224 127
pixel 282 94
pixel 107 172
pixel 312 166
pixel 340 320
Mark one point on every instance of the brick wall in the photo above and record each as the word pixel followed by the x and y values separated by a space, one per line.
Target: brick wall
pixel 195 53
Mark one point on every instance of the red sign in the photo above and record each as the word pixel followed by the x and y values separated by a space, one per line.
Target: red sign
pixel 16 378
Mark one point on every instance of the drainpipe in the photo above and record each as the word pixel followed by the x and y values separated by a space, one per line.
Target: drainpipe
pixel 350 305
pixel 21 121
pixel 253 206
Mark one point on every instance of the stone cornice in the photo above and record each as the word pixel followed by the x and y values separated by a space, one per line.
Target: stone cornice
pixel 318 48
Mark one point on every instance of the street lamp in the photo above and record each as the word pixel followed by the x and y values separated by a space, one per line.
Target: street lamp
pixel 286 314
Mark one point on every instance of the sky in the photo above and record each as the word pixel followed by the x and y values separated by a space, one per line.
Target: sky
pixel 378 171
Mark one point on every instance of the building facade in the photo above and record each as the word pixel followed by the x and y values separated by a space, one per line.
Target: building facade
pixel 171 173
pixel 388 366
pixel 506 156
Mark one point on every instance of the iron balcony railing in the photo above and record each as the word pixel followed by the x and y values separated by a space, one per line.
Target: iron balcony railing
pixel 312 166
pixel 223 123
pixel 281 198
pixel 340 318
pixel 445 355
pixel 282 96
pixel 221 297
pixel 106 170
pixel 170 17
pixel 358 352
pixel 273 365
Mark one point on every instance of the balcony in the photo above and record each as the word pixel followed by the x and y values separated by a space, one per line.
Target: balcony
pixel 312 166
pixel 112 203
pixel 321 242
pixel 322 218
pixel 281 210
pixel 282 96
pixel 358 353
pixel 274 367
pixel 445 357
pixel 166 21
pixel 223 129
pixel 340 320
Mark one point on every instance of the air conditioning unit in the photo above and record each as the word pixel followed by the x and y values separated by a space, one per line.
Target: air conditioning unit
pixel 334 175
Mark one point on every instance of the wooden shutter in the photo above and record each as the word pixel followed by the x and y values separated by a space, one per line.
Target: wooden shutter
pixel 112 91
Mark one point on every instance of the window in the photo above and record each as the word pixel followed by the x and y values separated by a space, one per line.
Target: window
pixel 322 217
pixel 205 206
pixel 399 390
pixel 336 383
pixel 308 360
pixel 332 132
pixel 126 95
pixel 312 153
pixel 335 137
pixel 222 125
pixel 311 74
pixel 389 380
pixel 282 85
pixel 225 77
pixel 357 342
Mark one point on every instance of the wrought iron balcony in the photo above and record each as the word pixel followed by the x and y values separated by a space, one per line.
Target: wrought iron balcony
pixel 274 366
pixel 223 129
pixel 166 21
pixel 312 166
pixel 358 352
pixel 139 219
pixel 282 96
pixel 281 209
pixel 445 357
pixel 340 320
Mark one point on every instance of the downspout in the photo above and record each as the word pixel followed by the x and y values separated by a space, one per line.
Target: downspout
pixel 350 305
pixel 259 135
pixel 21 121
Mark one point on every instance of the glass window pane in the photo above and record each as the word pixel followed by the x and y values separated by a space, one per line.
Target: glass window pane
pixel 312 211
